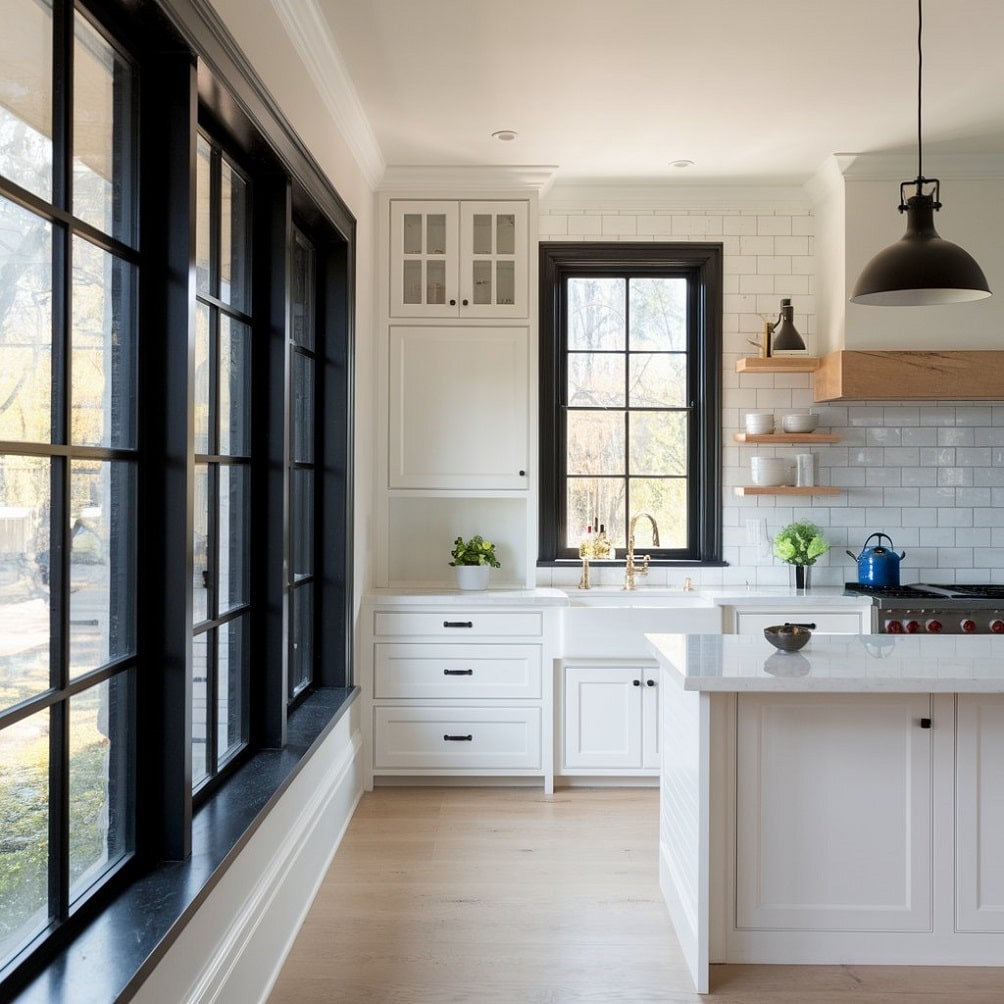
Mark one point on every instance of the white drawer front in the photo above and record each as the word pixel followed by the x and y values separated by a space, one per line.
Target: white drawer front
pixel 456 738
pixel 826 621
pixel 460 624
pixel 462 672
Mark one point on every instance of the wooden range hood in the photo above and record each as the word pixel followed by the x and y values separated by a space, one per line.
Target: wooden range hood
pixel 850 375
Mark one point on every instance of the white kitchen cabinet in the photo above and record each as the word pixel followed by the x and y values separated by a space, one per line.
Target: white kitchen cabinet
pixel 610 718
pixel 833 813
pixel 979 837
pixel 457 691
pixel 459 407
pixel 464 260
pixel 835 620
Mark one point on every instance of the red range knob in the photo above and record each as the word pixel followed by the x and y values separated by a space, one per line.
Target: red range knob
pixel 997 626
pixel 968 625
pixel 934 627
pixel 893 627
pixel 912 627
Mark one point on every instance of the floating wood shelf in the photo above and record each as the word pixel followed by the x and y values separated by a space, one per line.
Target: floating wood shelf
pixel 780 438
pixel 777 364
pixel 785 490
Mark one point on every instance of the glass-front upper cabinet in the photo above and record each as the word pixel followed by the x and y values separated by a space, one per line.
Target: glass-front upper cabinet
pixel 458 259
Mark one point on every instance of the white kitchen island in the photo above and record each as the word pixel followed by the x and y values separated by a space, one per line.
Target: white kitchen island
pixel 844 804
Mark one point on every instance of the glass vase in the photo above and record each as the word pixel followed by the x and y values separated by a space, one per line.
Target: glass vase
pixel 801 576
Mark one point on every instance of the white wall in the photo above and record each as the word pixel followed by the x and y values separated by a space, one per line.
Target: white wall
pixel 931 475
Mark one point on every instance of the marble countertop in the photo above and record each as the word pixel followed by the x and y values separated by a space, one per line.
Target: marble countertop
pixel 835 663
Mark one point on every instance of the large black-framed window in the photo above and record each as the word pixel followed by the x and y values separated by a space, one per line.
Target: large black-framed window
pixel 143 398
pixel 630 397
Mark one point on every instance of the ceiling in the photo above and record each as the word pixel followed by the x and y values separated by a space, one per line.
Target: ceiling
pixel 617 90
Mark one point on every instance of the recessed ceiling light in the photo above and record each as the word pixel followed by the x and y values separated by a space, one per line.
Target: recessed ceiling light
pixel 505 135
pixel 681 163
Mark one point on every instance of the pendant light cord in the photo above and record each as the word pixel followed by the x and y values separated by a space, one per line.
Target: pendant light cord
pixel 920 74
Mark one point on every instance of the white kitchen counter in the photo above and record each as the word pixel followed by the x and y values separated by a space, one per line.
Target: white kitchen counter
pixel 962 664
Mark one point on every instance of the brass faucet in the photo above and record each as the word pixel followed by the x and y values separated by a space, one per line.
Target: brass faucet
pixel 630 567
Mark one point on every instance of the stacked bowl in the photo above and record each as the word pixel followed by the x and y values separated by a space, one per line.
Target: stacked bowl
pixel 759 423
pixel 769 471
pixel 800 422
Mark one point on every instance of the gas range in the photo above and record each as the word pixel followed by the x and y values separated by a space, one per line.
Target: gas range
pixel 925 608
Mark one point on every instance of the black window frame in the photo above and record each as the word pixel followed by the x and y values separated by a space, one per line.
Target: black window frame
pixel 701 264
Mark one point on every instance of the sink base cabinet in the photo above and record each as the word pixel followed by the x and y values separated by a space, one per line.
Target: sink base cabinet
pixel 610 719
pixel 458 693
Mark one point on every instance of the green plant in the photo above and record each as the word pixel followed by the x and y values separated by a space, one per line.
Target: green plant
pixel 476 551
pixel 800 543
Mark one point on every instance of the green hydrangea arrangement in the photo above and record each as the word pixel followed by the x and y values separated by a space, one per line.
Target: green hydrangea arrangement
pixel 476 551
pixel 800 543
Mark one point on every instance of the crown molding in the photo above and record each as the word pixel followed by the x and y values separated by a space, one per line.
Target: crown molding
pixel 319 52
pixel 903 166
pixel 472 179
pixel 628 194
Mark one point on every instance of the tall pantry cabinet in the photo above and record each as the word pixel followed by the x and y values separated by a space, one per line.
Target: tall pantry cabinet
pixel 458 363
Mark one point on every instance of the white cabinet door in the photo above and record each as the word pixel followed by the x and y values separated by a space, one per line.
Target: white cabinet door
pixel 834 812
pixel 611 718
pixel 979 785
pixel 459 259
pixel 459 407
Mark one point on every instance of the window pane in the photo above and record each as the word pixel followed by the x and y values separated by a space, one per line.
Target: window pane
pixel 203 216
pixel 302 620
pixel 235 245
pixel 302 297
pixel 103 136
pixel 658 381
pixel 201 585
pixel 595 380
pixel 303 408
pixel 658 318
pixel 231 716
pixel 203 381
pixel 103 394
pixel 595 442
pixel 102 563
pixel 595 502
pixel 25 326
pixel 666 500
pixel 24 578
pixel 658 443
pixel 24 823
pixel 101 781
pixel 302 523
pixel 200 705
pixel 235 388
pixel 235 542
pixel 26 89
pixel 596 314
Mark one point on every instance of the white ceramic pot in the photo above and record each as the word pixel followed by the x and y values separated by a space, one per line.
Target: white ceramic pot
pixel 472 576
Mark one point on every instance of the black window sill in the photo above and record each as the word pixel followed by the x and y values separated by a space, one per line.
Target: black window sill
pixel 114 954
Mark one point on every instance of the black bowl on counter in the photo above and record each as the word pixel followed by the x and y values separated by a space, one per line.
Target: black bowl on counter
pixel 787 637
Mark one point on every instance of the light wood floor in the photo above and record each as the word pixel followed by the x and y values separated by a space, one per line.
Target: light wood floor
pixel 510 896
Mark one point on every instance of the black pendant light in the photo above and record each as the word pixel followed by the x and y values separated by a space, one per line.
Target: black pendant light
pixel 920 268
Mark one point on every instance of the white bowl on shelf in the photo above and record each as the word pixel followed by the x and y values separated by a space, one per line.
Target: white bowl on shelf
pixel 759 423
pixel 800 422
pixel 768 472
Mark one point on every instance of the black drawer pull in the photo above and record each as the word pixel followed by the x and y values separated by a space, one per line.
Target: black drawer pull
pixel 925 723
pixel 463 624
pixel 458 672
pixel 811 627
pixel 458 739
pixel 637 683
pixel 650 683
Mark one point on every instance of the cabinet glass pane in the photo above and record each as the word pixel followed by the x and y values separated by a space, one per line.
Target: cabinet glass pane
pixel 200 705
pixel 103 391
pixel 103 534
pixel 482 274
pixel 101 781
pixel 104 157
pixel 26 108
pixel 412 233
pixel 505 282
pixel 436 275
pixel 25 504
pixel 481 233
pixel 435 233
pixel 411 281
pixel 25 324
pixel 505 234
pixel 24 864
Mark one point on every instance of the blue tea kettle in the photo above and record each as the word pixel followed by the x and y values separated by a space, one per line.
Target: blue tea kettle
pixel 878 565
